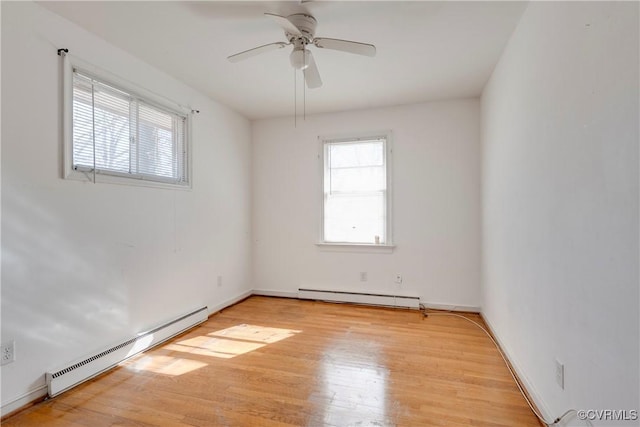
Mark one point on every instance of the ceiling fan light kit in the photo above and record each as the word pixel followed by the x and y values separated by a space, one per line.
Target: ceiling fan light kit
pixel 300 58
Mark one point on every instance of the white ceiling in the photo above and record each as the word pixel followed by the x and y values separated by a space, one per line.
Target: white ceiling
pixel 425 50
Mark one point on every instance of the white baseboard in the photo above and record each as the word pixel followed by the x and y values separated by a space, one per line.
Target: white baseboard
pixel 24 400
pixel 524 380
pixel 452 307
pixel 365 298
pixel 229 302
pixel 435 306
pixel 274 293
pixel 74 373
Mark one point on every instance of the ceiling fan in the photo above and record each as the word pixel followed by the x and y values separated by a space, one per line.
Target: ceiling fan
pixel 299 30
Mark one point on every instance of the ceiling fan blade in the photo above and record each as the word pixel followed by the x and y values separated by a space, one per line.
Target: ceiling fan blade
pixel 311 74
pixel 285 24
pixel 256 51
pixel 346 46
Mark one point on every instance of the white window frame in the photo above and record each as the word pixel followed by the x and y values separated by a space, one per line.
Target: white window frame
pixel 72 63
pixel 324 141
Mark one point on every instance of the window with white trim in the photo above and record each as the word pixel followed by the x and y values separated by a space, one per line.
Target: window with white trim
pixel 118 133
pixel 356 203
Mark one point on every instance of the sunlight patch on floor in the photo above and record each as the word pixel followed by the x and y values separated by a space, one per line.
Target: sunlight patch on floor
pixel 166 365
pixel 217 347
pixel 255 333
pixel 233 341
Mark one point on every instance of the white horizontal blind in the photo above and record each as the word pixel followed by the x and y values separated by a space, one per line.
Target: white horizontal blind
pixel 355 190
pixel 117 133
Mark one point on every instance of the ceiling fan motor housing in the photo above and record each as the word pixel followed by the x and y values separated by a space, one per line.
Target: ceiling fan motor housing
pixel 306 24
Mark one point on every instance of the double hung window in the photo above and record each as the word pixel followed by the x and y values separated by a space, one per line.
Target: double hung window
pixel 356 201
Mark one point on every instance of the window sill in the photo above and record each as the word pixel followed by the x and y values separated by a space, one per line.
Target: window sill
pixel 102 178
pixel 356 247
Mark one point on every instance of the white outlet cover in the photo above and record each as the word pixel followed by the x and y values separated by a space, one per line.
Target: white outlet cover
pixel 8 352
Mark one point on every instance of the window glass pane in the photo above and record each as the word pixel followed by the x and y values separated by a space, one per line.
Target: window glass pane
pixel 356 154
pixel 156 151
pixel 357 179
pixel 111 130
pixel 358 218
pixel 82 125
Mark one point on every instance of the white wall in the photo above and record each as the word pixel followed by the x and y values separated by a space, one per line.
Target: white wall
pixel 436 204
pixel 560 203
pixel 84 265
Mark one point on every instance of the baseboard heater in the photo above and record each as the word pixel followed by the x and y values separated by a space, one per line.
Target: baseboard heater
pixel 86 368
pixel 388 300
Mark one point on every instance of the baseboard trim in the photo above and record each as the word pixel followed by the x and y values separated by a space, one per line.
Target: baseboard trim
pixel 435 306
pixel 452 307
pixel 274 293
pixel 229 302
pixel 531 392
pixel 361 298
pixel 21 403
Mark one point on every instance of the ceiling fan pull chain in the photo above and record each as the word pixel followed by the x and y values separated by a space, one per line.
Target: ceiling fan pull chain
pixel 295 97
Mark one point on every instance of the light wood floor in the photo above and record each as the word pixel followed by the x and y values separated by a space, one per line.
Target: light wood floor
pixel 282 362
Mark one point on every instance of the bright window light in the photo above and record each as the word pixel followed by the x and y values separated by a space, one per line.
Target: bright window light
pixel 115 132
pixel 233 341
pixel 165 365
pixel 255 333
pixel 355 191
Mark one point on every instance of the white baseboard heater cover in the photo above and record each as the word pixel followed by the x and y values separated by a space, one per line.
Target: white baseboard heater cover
pixel 389 300
pixel 61 380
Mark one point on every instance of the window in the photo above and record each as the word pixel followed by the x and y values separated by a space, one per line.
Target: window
pixel 117 133
pixel 356 191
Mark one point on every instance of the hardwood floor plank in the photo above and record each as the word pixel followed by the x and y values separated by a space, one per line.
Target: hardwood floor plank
pixel 281 362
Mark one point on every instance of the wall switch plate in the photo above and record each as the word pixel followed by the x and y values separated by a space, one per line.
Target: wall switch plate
pixel 8 352
pixel 363 276
pixel 398 278
pixel 560 374
pixel 219 281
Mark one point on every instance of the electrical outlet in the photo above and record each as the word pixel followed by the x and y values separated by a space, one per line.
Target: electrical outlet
pixel 363 276
pixel 398 278
pixel 219 281
pixel 560 374
pixel 8 352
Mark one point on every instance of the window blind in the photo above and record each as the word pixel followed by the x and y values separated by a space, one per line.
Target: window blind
pixel 118 133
